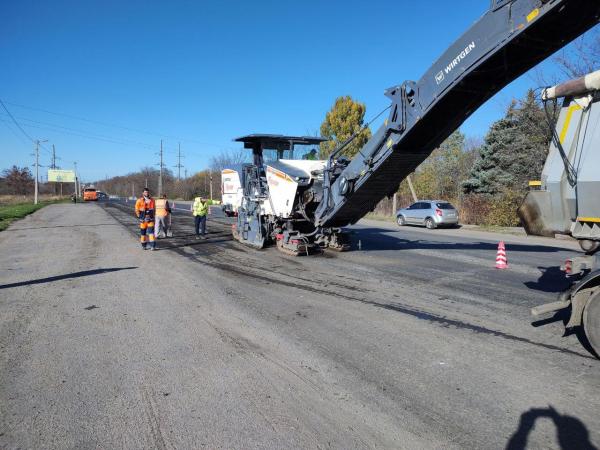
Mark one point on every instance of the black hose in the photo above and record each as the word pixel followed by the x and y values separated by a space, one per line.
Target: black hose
pixel 569 168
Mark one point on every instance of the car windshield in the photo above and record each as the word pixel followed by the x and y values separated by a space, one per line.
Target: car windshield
pixel 445 206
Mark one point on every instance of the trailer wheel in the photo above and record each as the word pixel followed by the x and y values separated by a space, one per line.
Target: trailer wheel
pixel 589 246
pixel 591 322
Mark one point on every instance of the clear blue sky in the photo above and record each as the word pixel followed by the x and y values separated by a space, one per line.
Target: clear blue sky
pixel 201 73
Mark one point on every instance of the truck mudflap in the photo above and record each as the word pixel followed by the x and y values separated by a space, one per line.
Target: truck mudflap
pixel 584 299
pixel 580 295
pixel 575 297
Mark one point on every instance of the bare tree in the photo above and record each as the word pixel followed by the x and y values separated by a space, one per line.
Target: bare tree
pixel 576 60
pixel 583 58
pixel 18 180
pixel 229 158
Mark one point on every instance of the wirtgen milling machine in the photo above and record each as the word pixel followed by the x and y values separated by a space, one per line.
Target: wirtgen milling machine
pixel 301 204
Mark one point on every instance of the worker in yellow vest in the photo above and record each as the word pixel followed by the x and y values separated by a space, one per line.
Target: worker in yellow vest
pixel 163 217
pixel 199 211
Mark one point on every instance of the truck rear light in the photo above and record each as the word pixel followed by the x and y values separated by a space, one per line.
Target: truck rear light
pixel 438 212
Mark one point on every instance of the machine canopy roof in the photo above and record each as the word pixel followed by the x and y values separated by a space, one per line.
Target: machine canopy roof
pixel 277 141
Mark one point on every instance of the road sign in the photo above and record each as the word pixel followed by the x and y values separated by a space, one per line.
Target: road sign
pixel 61 176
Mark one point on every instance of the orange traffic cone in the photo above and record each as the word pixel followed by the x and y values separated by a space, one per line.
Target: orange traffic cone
pixel 501 261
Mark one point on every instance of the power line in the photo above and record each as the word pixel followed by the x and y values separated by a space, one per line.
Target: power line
pixel 21 128
pixel 107 124
pixel 15 121
pixel 99 137
pixel 17 135
pixel 82 133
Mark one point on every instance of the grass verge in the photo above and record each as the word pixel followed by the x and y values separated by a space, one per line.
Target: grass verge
pixel 10 213
pixel 373 216
pixel 502 230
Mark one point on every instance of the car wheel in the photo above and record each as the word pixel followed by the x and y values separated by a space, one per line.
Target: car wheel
pixel 429 223
pixel 401 221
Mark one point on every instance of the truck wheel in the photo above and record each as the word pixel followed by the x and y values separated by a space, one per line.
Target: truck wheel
pixel 591 322
pixel 589 246
pixel 401 221
pixel 429 223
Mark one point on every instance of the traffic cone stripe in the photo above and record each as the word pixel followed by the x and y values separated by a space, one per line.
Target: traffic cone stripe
pixel 501 260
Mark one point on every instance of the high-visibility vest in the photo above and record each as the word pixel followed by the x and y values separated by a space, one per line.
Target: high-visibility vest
pixel 199 208
pixel 144 210
pixel 161 208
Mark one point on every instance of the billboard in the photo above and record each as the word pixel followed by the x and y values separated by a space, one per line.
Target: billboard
pixel 61 176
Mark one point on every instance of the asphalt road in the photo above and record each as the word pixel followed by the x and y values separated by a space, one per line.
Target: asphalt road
pixel 413 341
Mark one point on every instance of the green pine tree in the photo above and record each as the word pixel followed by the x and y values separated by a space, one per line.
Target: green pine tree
pixel 513 152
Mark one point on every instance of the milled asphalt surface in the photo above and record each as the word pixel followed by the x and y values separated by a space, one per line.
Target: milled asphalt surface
pixel 415 341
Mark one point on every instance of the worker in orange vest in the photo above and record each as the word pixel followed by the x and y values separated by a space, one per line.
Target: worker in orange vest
pixel 144 211
pixel 163 216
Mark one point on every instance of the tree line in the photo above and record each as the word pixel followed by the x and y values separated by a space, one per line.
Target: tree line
pixel 202 183
pixel 486 179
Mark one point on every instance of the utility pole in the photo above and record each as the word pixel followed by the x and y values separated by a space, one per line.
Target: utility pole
pixel 160 173
pixel 132 189
pixel 76 179
pixel 210 175
pixel 53 166
pixel 185 171
pixel 37 169
pixel 179 165
pixel 37 165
